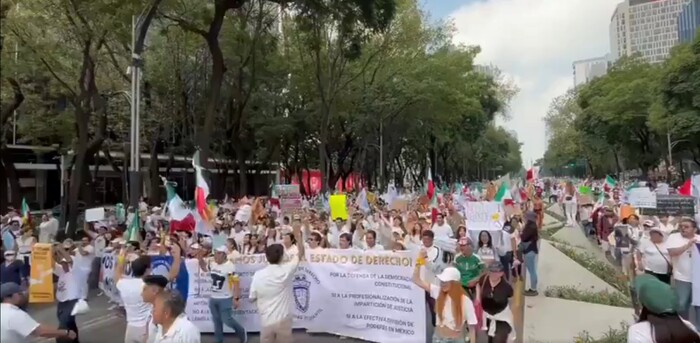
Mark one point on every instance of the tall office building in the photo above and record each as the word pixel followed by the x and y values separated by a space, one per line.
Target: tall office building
pixel 587 70
pixel 620 32
pixel 689 21
pixel 647 27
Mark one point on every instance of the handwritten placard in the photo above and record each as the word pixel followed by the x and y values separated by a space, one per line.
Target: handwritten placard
pixel 484 215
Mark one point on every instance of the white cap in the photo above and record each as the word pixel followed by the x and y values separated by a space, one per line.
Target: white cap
pixel 16 219
pixel 9 252
pixel 221 249
pixel 449 274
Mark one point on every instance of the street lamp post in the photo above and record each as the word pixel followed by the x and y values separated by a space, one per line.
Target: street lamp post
pixel 140 27
pixel 135 152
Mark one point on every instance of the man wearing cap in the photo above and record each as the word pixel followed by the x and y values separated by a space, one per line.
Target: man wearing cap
pixel 16 326
pixel 225 294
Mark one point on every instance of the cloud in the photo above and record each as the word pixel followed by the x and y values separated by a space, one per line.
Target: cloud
pixel 535 42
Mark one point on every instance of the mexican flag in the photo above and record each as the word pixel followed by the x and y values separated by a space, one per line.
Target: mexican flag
pixel 132 234
pixel 177 210
pixel 26 217
pixel 202 191
pixel 430 190
pixel 503 193
pixel 609 183
pixel 432 196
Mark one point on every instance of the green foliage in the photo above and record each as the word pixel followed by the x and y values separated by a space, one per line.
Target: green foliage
pixel 311 85
pixel 621 120
pixel 547 232
pixel 602 297
pixel 614 335
pixel 599 268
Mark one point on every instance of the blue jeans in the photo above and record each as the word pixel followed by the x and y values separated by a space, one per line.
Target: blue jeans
pixel 222 313
pixel 684 294
pixel 531 265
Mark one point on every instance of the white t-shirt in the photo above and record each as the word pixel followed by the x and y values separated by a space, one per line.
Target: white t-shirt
pixel 443 230
pixel 15 324
pixel 654 259
pixel 239 236
pixel 221 288
pixel 448 319
pixel 152 330
pixel 182 331
pixel 682 263
pixel 68 286
pixel 137 311
pixel 641 332
pixel 271 289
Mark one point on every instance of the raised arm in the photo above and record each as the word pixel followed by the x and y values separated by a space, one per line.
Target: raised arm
pixel 420 261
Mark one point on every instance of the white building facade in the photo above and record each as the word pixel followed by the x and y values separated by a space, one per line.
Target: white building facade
pixel 587 70
pixel 647 27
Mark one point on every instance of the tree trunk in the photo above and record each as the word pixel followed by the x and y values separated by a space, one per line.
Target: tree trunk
pixel 10 174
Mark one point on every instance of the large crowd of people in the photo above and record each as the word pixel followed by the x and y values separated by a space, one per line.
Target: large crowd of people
pixel 468 276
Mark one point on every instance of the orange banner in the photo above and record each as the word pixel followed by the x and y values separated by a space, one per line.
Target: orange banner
pixel 41 275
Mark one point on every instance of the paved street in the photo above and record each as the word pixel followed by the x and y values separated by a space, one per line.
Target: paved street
pixel 105 325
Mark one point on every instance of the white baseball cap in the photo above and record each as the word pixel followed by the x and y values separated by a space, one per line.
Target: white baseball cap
pixel 449 274
pixel 221 249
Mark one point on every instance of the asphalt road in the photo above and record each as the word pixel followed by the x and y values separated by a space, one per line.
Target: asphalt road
pixel 104 324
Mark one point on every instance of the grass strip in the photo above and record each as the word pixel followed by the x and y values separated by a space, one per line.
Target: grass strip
pixel 599 268
pixel 548 232
pixel 594 297
pixel 612 336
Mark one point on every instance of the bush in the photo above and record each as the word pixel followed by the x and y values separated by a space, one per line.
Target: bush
pixel 612 336
pixel 599 268
pixel 595 297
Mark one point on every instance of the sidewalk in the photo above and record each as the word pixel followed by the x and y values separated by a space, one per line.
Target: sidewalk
pixel 559 320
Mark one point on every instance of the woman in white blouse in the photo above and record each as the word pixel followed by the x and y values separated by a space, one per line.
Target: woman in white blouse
pixel 652 257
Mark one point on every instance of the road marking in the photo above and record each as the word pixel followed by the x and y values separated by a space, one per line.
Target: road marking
pixel 86 326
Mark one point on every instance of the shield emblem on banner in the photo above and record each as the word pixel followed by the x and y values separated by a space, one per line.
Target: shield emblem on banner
pixel 302 296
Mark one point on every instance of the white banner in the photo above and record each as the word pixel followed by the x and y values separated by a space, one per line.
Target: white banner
pixel 484 215
pixel 107 285
pixel 366 295
pixel 641 197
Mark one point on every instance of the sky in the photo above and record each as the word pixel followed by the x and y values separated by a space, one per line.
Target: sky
pixel 533 42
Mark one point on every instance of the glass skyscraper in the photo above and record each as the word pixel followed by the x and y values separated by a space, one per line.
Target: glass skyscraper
pixel 689 21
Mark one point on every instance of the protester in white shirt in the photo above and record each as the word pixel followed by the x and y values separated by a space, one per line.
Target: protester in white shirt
pixel 666 224
pixel 367 240
pixel 652 256
pixel 658 320
pixel 100 239
pixel 48 228
pixel 441 228
pixel 169 316
pixel 225 294
pixel 238 233
pixel 680 246
pixel 290 244
pixel 271 291
pixel 130 291
pixel 16 326
pixel 68 290
pixel 153 285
